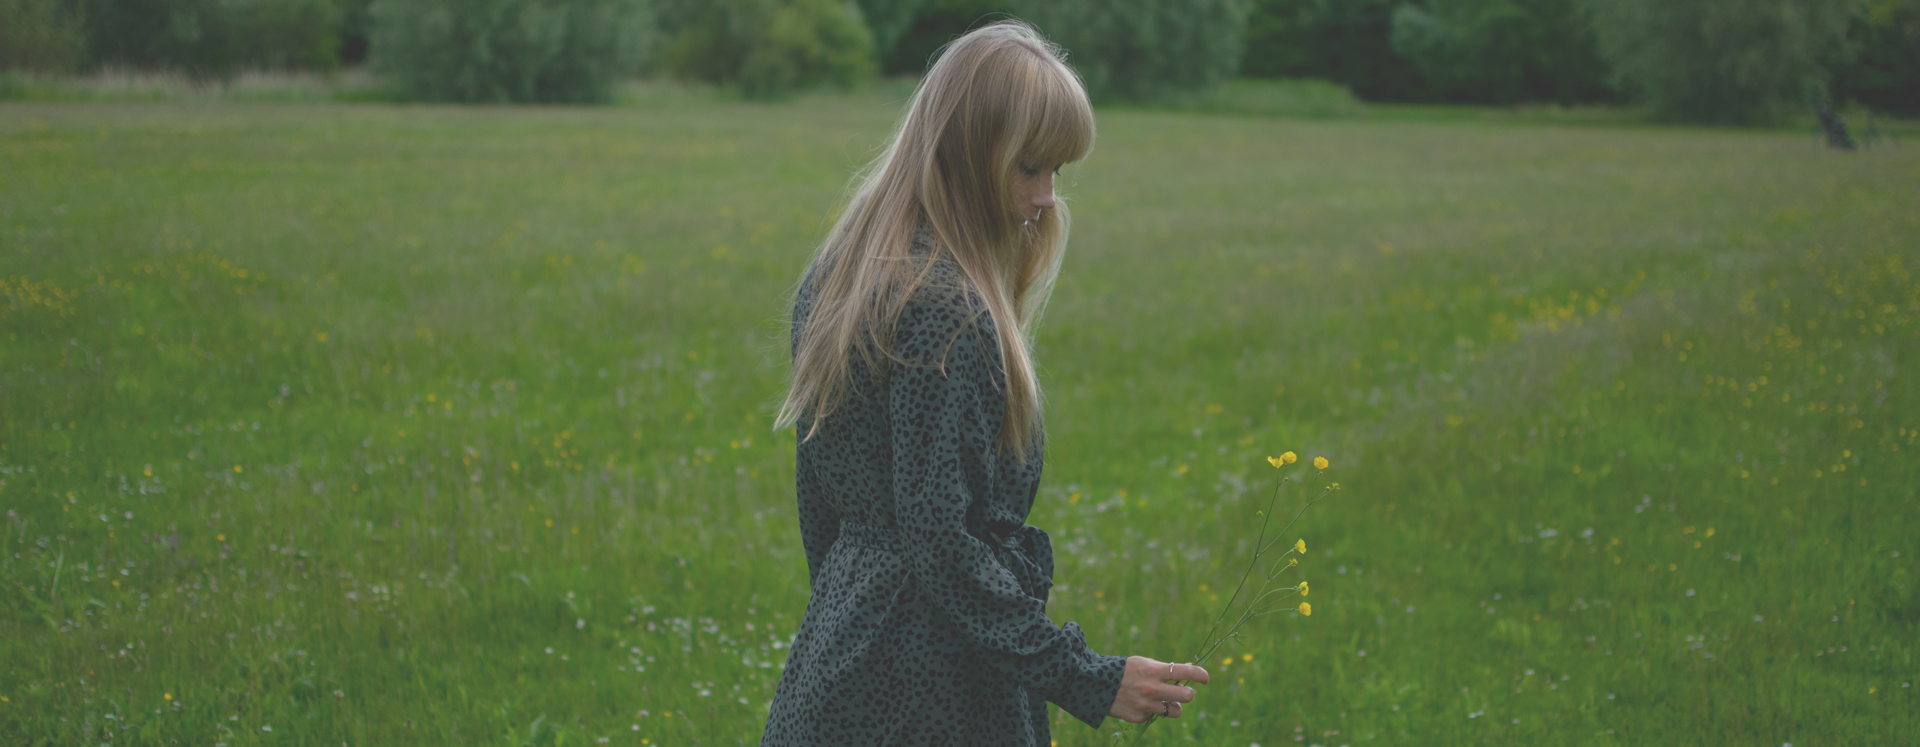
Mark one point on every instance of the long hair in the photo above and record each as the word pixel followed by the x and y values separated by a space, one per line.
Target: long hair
pixel 999 98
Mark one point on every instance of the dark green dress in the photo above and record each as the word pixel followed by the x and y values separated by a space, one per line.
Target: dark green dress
pixel 927 623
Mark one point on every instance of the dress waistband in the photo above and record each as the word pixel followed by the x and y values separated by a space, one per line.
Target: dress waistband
pixel 1025 551
pixel 868 535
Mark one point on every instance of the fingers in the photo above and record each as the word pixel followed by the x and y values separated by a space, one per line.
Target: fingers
pixel 1189 673
pixel 1148 709
pixel 1169 692
pixel 1147 689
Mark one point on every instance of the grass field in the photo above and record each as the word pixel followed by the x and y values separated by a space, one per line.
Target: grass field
pixel 407 425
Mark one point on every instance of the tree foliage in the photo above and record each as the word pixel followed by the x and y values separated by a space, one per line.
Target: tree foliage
pixel 213 38
pixel 1723 61
pixel 770 48
pixel 1885 71
pixel 889 20
pixel 41 35
pixel 1344 41
pixel 935 23
pixel 1141 50
pixel 1502 51
pixel 500 51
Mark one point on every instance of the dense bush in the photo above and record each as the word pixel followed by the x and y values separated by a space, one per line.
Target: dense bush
pixel 1344 41
pixel 355 30
pixel 1885 71
pixel 935 23
pixel 769 48
pixel 1723 61
pixel 500 51
pixel 40 35
pixel 213 37
pixel 1144 50
pixel 888 20
pixel 1502 51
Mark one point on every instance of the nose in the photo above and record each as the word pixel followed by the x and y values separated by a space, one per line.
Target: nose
pixel 1043 192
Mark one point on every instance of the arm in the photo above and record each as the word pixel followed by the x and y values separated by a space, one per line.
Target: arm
pixel 819 522
pixel 945 422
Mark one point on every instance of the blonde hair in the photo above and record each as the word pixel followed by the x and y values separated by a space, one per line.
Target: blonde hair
pixel 998 98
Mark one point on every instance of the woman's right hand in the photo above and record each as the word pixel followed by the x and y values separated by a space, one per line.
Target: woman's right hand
pixel 1147 689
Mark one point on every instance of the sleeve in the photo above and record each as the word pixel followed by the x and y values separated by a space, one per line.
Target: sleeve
pixel 819 519
pixel 819 524
pixel 945 408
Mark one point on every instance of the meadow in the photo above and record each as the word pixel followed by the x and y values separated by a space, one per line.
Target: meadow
pixel 372 424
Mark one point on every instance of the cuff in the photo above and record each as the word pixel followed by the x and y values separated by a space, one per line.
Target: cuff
pixel 1089 691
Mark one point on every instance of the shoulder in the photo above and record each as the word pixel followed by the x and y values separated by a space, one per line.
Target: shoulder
pixel 943 315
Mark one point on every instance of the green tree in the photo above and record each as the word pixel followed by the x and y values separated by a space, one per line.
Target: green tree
pixel 1885 72
pixel 213 38
pixel 888 20
pixel 1723 61
pixel 510 51
pixel 1502 51
pixel 769 48
pixel 1142 50
pixel 1344 41
pixel 41 35
pixel 935 23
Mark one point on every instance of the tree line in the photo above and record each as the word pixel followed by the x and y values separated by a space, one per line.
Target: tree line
pixel 1725 61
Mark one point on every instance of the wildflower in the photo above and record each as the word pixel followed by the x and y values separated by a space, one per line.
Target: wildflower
pixel 1319 462
pixel 1277 462
pixel 1306 609
pixel 1289 458
pixel 1303 588
pixel 1300 546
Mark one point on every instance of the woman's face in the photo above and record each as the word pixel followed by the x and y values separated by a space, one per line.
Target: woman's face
pixel 1033 189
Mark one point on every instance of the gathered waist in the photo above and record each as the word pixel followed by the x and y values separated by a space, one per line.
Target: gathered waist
pixel 870 536
pixel 1026 551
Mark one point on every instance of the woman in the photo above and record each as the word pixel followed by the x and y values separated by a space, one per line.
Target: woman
pixel 920 437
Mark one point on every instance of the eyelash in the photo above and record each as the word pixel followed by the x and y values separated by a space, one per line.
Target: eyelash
pixel 1033 172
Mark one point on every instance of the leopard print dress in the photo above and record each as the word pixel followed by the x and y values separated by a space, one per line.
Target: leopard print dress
pixel 927 624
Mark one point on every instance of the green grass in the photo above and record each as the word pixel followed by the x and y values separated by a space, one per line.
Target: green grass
pixel 432 425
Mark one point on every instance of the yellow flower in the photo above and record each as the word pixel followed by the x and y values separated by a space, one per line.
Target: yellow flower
pixel 1289 458
pixel 1300 546
pixel 1246 657
pixel 1319 462
pixel 1277 462
pixel 1306 609
pixel 1303 588
pixel 1291 562
pixel 168 696
pixel 1227 662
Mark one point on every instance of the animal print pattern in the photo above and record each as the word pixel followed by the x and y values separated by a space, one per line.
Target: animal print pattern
pixel 927 624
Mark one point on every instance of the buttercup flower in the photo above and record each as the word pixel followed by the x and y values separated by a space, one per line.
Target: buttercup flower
pixel 1319 462
pixel 1300 546
pixel 1306 609
pixel 1289 458
pixel 1276 462
pixel 1303 588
